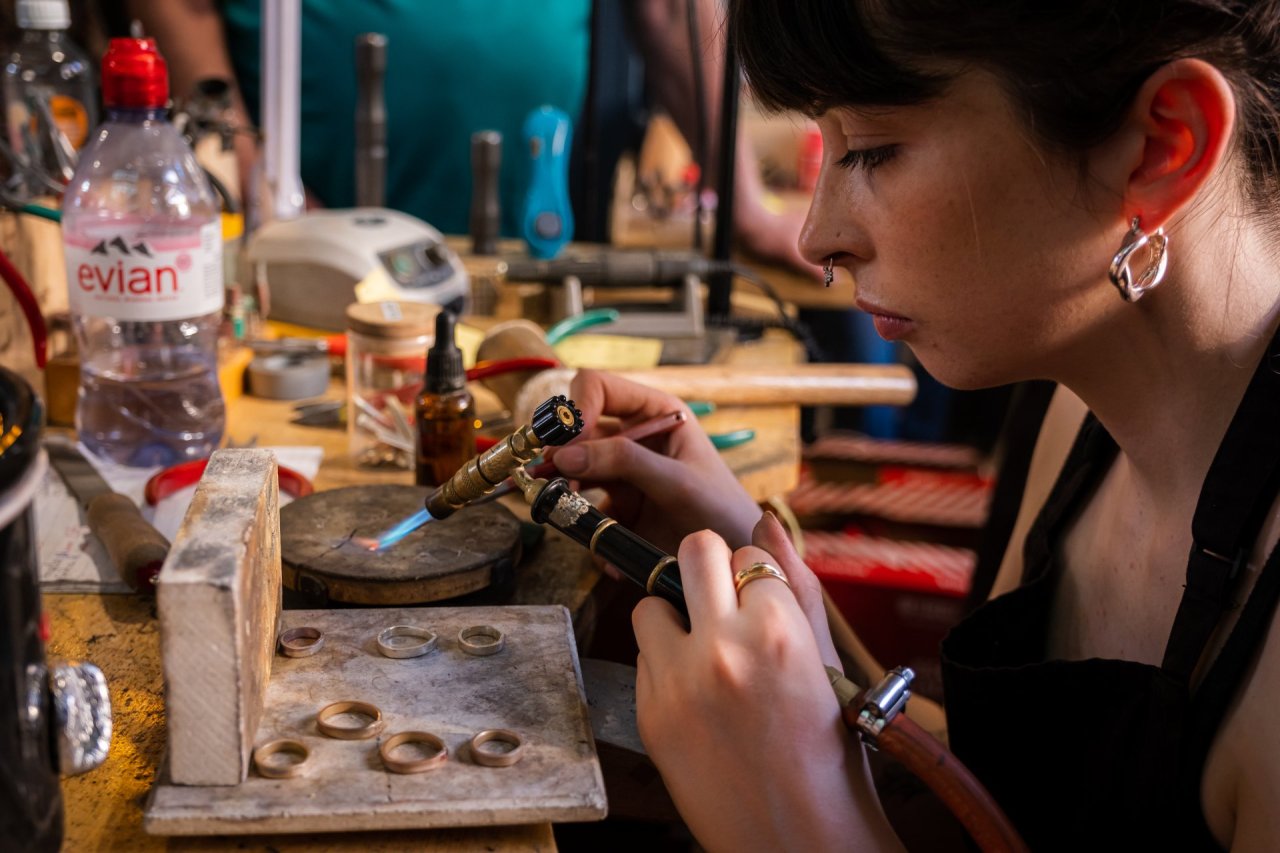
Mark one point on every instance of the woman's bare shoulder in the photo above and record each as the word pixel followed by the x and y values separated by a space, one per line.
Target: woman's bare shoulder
pixel 1058 432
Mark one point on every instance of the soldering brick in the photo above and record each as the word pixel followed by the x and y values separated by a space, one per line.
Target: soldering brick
pixel 219 603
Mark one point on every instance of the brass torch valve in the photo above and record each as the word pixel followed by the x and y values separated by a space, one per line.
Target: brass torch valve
pixel 555 422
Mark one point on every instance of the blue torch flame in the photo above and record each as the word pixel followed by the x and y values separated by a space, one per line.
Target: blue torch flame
pixel 393 535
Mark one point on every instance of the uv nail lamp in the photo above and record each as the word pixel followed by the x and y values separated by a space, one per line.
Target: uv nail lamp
pixel 318 264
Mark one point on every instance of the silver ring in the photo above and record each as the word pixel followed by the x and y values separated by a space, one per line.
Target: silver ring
pixel 492 640
pixel 301 642
pixel 405 650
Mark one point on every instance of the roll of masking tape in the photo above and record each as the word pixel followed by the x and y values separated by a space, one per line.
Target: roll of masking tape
pixel 289 377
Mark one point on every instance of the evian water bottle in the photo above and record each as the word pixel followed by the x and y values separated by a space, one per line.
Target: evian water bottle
pixel 144 267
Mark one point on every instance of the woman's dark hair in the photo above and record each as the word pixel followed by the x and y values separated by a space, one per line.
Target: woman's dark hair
pixel 1073 67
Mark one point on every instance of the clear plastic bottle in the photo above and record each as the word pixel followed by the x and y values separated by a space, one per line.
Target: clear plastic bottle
pixel 144 266
pixel 47 70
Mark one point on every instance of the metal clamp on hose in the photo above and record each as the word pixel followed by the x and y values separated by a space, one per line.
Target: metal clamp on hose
pixel 876 715
pixel 884 702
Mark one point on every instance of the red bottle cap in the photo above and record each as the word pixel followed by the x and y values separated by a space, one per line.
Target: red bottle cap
pixel 134 75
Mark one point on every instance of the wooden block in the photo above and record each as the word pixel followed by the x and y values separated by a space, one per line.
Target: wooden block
pixel 532 687
pixel 219 602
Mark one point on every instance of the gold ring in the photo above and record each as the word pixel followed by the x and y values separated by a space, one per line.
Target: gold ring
pixel 386 648
pixel 280 771
pixel 755 572
pixel 497 759
pixel 439 755
pixel 301 642
pixel 368 730
pixel 658 569
pixel 492 640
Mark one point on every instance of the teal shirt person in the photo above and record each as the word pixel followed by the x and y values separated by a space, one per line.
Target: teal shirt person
pixel 453 67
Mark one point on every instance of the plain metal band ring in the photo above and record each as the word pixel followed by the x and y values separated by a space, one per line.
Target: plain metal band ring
pixel 301 642
pixel 497 759
pixel 406 650
pixel 416 765
pixel 280 771
pixel 497 640
pixel 349 732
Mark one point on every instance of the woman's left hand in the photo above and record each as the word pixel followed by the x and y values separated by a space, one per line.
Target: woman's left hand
pixel 738 713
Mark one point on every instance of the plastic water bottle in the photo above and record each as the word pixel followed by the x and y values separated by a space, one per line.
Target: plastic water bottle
pixel 48 79
pixel 143 243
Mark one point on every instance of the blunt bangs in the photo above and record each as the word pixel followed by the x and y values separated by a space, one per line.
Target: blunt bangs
pixel 813 55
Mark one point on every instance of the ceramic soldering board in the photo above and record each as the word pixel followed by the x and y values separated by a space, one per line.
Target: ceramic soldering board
pixel 532 687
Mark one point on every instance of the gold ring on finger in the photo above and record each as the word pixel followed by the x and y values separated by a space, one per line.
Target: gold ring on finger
pixel 755 572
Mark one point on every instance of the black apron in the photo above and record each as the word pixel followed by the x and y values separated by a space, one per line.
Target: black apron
pixel 1103 754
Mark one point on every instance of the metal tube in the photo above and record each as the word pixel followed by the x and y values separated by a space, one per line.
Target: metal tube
pixel 483 473
pixel 281 107
pixel 371 120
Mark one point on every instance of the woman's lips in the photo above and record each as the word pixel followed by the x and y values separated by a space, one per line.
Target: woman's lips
pixel 889 326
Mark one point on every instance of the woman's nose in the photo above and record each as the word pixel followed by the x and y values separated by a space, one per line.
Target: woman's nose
pixel 818 236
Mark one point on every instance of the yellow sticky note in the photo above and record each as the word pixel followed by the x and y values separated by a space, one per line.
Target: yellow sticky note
pixel 468 339
pixel 609 352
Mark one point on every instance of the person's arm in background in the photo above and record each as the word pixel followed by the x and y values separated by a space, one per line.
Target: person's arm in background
pixel 662 27
pixel 191 38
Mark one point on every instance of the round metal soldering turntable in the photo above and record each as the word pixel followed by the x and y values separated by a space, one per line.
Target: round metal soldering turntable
pixel 323 555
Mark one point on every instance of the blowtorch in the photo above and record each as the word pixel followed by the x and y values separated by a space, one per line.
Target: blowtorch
pixel 553 502
pixel 874 714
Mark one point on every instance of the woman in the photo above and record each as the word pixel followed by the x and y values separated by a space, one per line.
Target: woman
pixel 999 181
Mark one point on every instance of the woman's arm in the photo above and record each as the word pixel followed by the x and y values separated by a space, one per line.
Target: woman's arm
pixel 663 36
pixel 190 36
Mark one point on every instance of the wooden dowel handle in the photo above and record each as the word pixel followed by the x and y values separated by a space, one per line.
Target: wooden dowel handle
pixel 801 384
pixel 136 548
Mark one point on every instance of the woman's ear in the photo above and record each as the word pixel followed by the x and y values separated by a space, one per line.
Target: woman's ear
pixel 1182 121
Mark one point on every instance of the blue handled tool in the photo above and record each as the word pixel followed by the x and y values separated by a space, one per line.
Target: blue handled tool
pixel 547 223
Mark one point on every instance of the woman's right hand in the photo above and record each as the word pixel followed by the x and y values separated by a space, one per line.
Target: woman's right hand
pixel 664 487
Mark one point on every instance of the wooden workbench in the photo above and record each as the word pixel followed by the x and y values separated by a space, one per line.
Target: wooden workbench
pixel 119 634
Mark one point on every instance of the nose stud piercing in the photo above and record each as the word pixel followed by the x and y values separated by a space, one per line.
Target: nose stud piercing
pixel 828 272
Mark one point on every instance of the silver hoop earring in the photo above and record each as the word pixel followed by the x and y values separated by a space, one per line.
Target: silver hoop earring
pixel 828 272
pixel 1132 289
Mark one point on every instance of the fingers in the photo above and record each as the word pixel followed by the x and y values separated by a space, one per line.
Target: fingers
pixel 770 535
pixel 659 629
pixel 708 584
pixel 596 393
pixel 621 459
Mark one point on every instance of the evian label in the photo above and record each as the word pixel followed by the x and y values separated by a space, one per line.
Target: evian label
pixel 129 277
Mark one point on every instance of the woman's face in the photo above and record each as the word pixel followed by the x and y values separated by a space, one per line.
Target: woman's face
pixel 969 241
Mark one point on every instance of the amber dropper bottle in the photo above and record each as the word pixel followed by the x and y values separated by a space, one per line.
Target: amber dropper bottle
pixel 445 411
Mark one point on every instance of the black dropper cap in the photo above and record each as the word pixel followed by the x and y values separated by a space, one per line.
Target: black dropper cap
pixel 444 359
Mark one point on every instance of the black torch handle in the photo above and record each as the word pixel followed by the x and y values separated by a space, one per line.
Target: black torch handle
pixel 637 558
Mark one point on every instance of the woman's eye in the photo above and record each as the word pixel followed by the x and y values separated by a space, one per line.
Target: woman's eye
pixel 868 159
